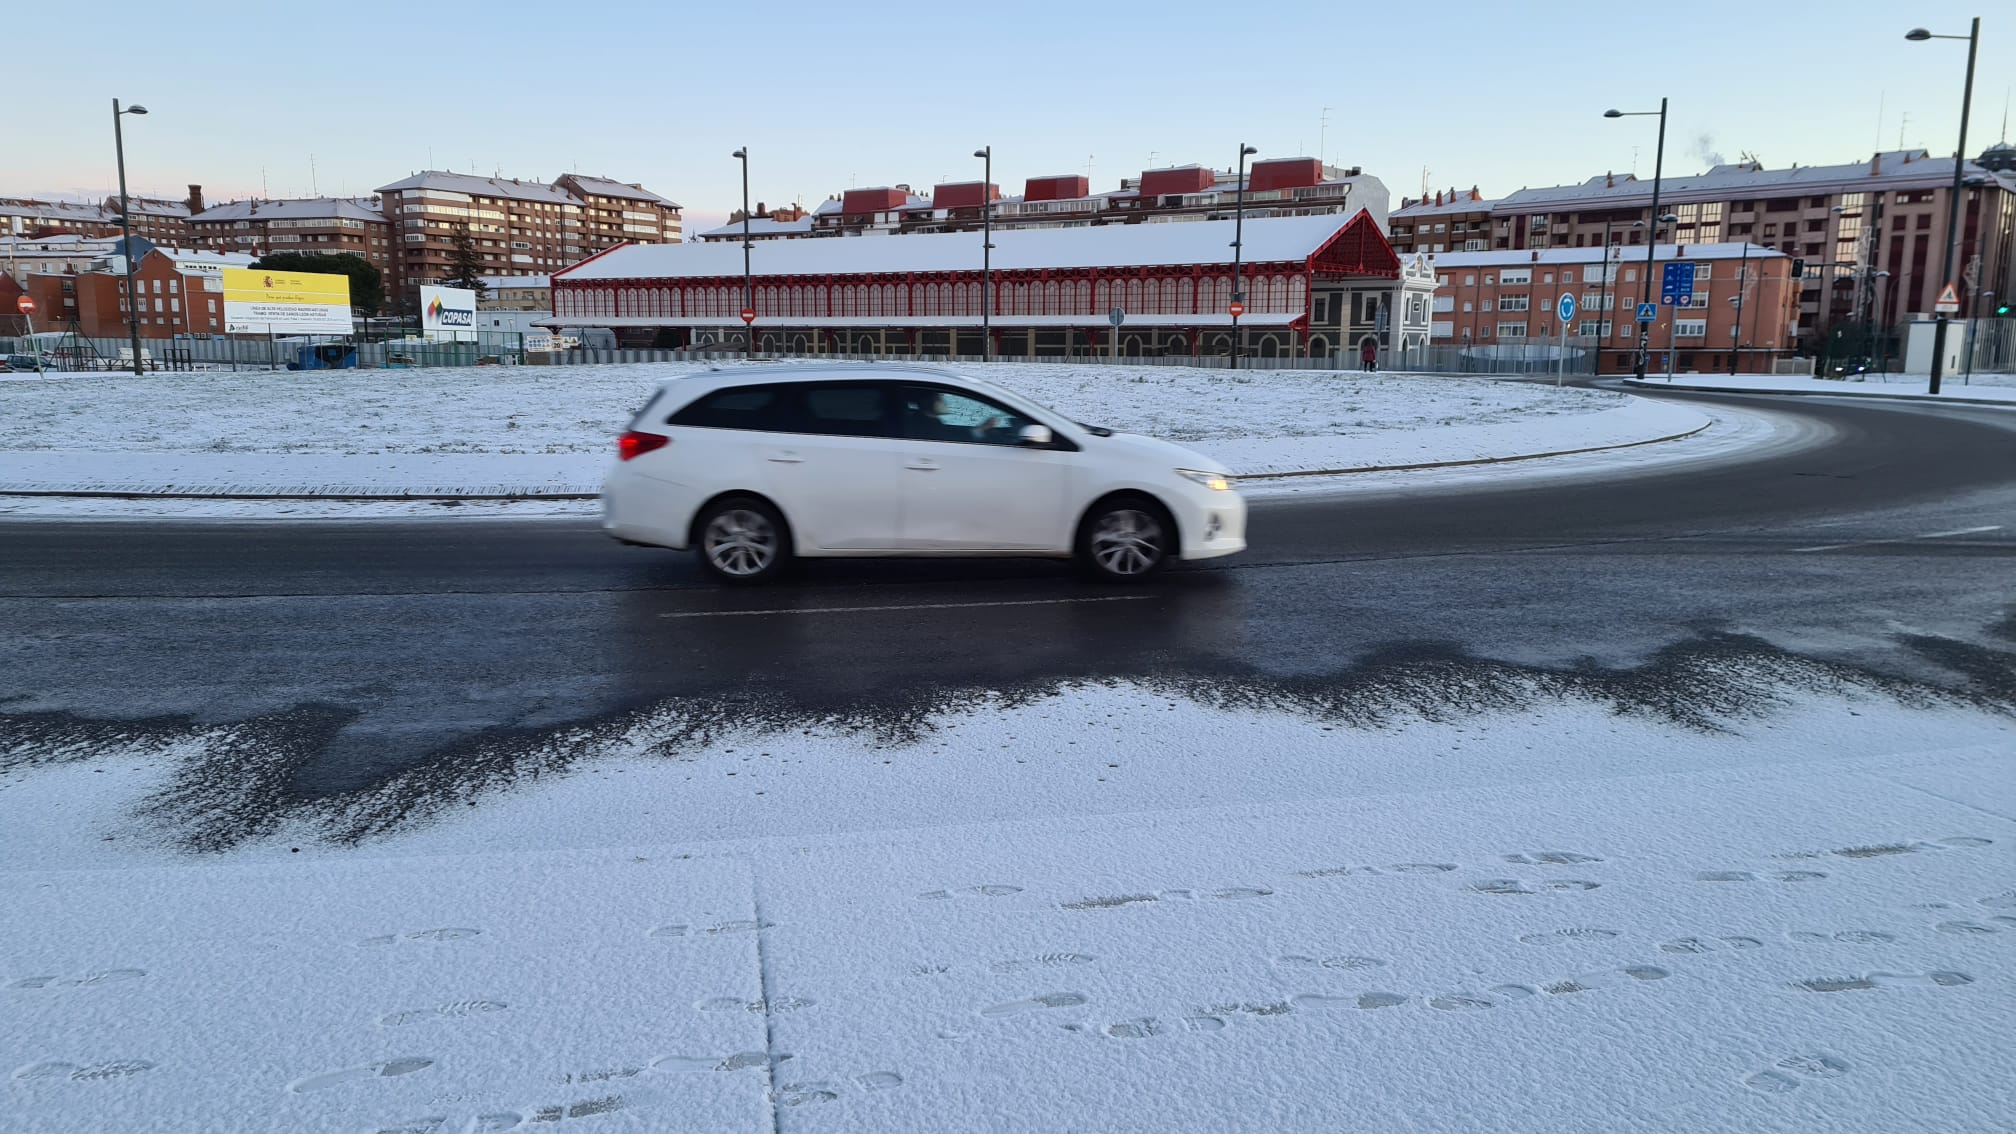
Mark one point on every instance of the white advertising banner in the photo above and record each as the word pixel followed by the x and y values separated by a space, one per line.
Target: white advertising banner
pixel 447 309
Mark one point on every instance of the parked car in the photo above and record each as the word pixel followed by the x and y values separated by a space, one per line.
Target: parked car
pixel 21 363
pixel 753 467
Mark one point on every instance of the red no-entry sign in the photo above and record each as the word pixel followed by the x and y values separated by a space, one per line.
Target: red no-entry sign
pixel 748 315
pixel 26 305
pixel 1237 309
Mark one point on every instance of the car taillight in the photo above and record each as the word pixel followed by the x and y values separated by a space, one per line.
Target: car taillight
pixel 634 444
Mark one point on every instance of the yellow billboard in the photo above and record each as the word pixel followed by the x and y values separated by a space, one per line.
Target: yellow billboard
pixel 259 302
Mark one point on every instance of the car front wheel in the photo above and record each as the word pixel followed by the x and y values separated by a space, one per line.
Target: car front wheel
pixel 743 540
pixel 1125 538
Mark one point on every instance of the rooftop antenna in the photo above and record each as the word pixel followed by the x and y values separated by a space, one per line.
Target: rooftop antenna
pixel 1088 168
pixel 1151 154
pixel 263 191
pixel 2005 115
pixel 1880 97
pixel 1424 181
pixel 1903 122
pixel 1323 138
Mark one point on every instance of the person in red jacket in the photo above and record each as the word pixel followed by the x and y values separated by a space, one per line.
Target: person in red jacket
pixel 1368 356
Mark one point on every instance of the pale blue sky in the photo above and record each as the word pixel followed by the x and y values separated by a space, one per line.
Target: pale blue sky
pixel 244 95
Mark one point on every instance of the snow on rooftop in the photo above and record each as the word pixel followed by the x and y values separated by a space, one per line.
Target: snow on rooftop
pixel 296 209
pixel 759 226
pixel 482 186
pixel 1620 253
pixel 1896 167
pixel 605 187
pixel 1266 240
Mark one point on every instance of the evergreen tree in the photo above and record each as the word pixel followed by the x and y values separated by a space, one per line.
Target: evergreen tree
pixel 367 283
pixel 465 264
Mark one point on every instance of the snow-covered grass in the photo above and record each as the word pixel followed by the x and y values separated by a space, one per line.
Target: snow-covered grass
pixel 577 409
pixel 1115 907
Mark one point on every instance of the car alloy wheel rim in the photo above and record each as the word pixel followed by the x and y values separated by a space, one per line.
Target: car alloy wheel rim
pixel 740 542
pixel 1127 541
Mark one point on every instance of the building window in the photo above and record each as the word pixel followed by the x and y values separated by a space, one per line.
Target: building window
pixel 1469 279
pixel 1690 328
pixel 1511 330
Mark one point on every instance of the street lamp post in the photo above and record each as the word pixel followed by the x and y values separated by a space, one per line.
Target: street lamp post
pixel 1973 38
pixel 1603 297
pixel 1736 335
pixel 1238 244
pixel 1658 173
pixel 126 227
pixel 1881 340
pixel 748 282
pixel 986 155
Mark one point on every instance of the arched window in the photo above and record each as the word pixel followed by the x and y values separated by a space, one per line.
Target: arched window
pixel 1269 346
pixel 1319 347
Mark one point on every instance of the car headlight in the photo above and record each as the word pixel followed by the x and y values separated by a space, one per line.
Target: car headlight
pixel 1215 481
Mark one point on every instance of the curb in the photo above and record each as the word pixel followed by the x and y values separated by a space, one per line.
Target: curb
pixel 139 493
pixel 1471 461
pixel 1940 400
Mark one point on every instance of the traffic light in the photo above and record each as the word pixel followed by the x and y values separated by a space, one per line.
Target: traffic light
pixel 1798 269
pixel 2002 309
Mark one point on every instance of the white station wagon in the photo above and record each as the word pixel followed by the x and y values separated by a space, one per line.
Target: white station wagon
pixel 754 466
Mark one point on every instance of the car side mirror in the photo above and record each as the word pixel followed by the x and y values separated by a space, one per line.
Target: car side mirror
pixel 1036 435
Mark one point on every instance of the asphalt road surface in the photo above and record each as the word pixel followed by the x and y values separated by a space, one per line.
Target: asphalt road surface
pixel 1889 548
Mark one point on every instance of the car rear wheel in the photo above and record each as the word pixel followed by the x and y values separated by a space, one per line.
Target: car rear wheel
pixel 1125 538
pixel 743 540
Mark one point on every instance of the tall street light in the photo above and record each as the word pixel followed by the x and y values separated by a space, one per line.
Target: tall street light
pixel 748 284
pixel 1973 38
pixel 1238 241
pixel 1658 172
pixel 126 227
pixel 986 155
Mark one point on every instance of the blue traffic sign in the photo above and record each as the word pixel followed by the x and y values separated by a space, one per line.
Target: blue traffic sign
pixel 1676 287
pixel 1647 312
pixel 1565 307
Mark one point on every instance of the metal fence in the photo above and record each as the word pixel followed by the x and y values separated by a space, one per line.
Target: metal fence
pixel 316 352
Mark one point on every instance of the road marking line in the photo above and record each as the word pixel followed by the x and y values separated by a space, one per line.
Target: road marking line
pixel 896 606
pixel 1903 539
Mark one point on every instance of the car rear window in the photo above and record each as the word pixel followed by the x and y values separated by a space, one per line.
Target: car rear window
pixel 738 407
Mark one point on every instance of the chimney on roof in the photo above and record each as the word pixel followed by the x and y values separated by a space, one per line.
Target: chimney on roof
pixel 1876 164
pixel 1438 196
pixel 195 201
pixel 1610 179
pixel 1475 195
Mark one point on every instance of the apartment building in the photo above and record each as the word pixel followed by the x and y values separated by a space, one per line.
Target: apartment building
pixel 520 227
pixel 615 212
pixel 516 293
pixel 321 226
pixel 1508 297
pixel 1455 221
pixel 1846 222
pixel 158 219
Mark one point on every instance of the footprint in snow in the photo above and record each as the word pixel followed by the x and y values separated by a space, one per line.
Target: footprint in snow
pixel 1551 858
pixel 1559 936
pixel 391 1068
pixel 1041 961
pixel 1515 886
pixel 1319 1002
pixel 1709 944
pixel 1034 1003
pixel 1788 1073
pixel 1845 937
pixel 1747 876
pixel 451 1011
pixel 452 933
pixel 84 980
pixel 988 891
pixel 85 1073
pixel 1871 981
pixel 1608 978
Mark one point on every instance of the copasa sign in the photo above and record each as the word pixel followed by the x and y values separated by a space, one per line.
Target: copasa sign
pixel 447 308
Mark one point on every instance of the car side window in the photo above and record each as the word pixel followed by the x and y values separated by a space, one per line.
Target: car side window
pixel 933 413
pixel 762 408
pixel 845 409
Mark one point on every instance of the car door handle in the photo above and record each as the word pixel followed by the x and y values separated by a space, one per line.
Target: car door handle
pixel 787 458
pixel 923 466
